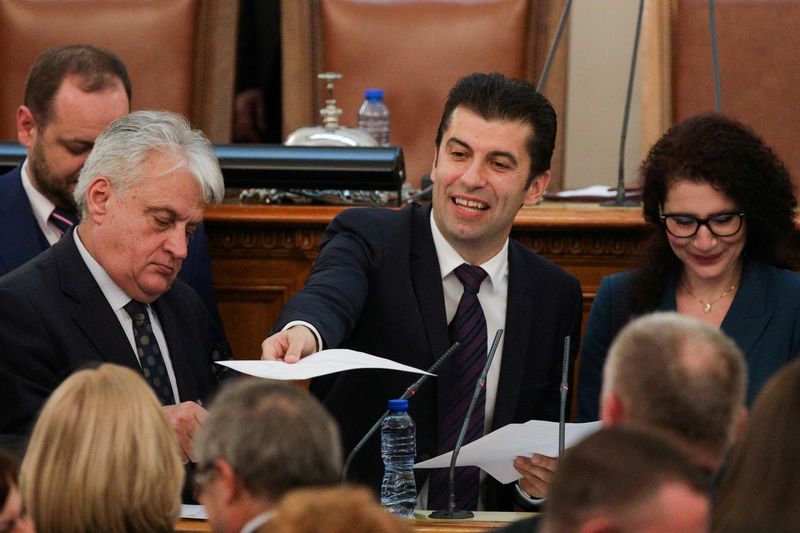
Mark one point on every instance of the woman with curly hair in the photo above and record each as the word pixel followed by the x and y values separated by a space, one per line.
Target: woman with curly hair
pixel 721 207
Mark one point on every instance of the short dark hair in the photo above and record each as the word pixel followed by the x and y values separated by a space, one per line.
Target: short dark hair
pixel 610 472
pixel 729 156
pixel 276 437
pixel 95 68
pixel 498 97
pixel 8 475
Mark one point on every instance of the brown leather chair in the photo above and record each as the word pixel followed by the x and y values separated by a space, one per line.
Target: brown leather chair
pixel 413 50
pixel 180 54
pixel 760 76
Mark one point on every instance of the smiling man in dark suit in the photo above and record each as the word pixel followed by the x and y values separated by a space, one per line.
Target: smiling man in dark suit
pixel 72 94
pixel 107 290
pixel 405 284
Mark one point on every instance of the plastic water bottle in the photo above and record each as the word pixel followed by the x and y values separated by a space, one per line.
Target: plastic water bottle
pixel 373 117
pixel 398 448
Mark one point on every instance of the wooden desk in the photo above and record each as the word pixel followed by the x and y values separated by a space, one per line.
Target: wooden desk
pixel 261 255
pixel 483 521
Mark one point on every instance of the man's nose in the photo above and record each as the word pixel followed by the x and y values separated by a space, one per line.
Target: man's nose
pixel 177 242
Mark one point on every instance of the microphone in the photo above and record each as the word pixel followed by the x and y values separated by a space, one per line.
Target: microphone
pixel 562 419
pixel 620 200
pixel 410 391
pixel 451 511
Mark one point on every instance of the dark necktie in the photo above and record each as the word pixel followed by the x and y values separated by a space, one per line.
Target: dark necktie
pixel 153 367
pixel 62 219
pixel 468 327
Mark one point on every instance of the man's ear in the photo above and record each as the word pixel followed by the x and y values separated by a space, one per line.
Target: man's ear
pixel 612 412
pixel 537 188
pixel 26 126
pixel 230 485
pixel 98 195
pixel 435 162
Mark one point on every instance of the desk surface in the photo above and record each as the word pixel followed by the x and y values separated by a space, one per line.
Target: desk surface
pixel 483 521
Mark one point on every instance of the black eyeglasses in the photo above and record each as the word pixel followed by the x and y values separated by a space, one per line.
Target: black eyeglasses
pixel 719 224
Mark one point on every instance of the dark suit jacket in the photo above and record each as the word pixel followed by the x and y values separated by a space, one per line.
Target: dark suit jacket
pixel 763 320
pixel 54 319
pixel 21 240
pixel 376 287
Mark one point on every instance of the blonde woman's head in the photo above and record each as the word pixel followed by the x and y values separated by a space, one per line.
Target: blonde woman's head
pixel 103 457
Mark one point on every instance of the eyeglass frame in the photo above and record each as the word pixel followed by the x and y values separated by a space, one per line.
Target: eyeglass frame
pixel 701 222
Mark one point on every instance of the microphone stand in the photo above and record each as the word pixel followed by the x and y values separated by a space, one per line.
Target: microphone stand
pixel 410 391
pixel 451 512
pixel 562 419
pixel 620 200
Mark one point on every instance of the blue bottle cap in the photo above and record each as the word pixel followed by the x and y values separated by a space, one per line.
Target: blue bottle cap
pixel 373 94
pixel 398 405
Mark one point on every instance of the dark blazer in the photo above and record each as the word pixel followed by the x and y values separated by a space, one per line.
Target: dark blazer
pixel 21 240
pixel 54 319
pixel 376 287
pixel 763 320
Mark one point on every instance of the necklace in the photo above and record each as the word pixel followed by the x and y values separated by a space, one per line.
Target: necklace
pixel 707 305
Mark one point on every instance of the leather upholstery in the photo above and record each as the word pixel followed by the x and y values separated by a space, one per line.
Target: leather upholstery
pixel 758 43
pixel 155 38
pixel 415 50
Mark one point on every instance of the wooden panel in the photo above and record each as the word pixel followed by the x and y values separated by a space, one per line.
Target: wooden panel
pixel 261 255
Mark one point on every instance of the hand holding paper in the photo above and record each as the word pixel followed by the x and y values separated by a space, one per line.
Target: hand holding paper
pixel 318 364
pixel 495 452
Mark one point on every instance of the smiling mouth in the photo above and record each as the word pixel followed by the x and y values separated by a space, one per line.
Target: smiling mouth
pixel 470 204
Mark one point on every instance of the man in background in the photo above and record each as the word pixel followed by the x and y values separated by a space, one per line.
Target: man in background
pixel 261 440
pixel 72 94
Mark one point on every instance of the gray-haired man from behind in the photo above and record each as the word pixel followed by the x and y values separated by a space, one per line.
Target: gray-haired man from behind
pixel 680 377
pixel 261 440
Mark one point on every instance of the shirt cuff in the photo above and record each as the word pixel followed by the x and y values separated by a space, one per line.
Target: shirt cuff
pixel 526 501
pixel 309 326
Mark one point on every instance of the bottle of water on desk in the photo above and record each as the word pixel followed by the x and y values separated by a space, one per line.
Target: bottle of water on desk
pixel 373 117
pixel 398 448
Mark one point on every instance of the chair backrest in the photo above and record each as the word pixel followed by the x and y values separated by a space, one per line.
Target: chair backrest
pixel 180 54
pixel 413 50
pixel 760 77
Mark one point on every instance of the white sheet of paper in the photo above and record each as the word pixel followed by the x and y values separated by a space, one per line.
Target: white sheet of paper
pixel 318 364
pixel 197 512
pixel 496 451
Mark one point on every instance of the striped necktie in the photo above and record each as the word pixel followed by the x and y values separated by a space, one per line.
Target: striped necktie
pixel 469 328
pixel 63 220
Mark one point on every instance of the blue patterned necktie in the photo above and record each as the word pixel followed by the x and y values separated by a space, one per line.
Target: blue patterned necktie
pixel 148 352
pixel 468 327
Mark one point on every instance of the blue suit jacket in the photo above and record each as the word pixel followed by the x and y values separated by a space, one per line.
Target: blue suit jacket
pixel 377 287
pixel 21 240
pixel 763 320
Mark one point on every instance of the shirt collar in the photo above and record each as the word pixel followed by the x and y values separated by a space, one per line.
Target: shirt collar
pixel 116 297
pixel 42 207
pixel 257 521
pixel 449 259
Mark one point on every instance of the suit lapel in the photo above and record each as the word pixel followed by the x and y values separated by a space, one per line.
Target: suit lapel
pixel 749 312
pixel 22 239
pixel 517 334
pixel 177 352
pixel 92 314
pixel 426 279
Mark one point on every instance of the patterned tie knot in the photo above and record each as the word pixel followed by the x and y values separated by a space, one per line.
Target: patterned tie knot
pixel 137 311
pixel 471 277
pixel 62 219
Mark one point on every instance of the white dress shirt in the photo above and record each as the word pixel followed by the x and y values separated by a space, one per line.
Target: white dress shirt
pixel 117 299
pixel 41 206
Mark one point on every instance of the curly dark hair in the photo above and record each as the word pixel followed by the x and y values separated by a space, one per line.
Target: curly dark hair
pixel 729 156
